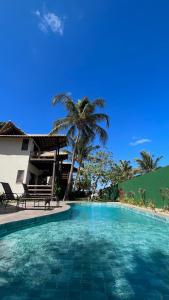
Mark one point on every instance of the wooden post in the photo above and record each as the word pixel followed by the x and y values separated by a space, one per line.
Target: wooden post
pixel 58 172
pixel 54 173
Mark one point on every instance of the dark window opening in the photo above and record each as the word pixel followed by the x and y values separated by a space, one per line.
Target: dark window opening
pixel 32 179
pixel 25 144
pixel 20 176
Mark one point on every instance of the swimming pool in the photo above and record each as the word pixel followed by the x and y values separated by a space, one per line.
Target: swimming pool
pixel 96 251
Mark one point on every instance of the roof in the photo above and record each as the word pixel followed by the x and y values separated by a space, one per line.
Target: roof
pixel 9 128
pixel 45 142
pixel 2 124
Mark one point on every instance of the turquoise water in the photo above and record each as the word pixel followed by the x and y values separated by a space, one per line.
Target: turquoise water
pixel 95 252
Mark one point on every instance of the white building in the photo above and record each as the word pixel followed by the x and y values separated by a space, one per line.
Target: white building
pixel 32 159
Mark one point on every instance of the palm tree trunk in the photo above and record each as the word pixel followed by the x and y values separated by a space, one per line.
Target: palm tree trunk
pixel 69 182
pixel 78 171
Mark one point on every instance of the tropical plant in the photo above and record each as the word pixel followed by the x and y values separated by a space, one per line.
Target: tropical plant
pixel 81 122
pixel 84 151
pixel 57 190
pixel 131 195
pixel 147 162
pixel 122 171
pixel 165 196
pixel 151 204
pixel 83 183
pixel 142 193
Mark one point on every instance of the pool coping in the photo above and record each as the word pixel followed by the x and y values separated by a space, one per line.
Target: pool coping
pixel 145 211
pixel 13 226
pixel 45 213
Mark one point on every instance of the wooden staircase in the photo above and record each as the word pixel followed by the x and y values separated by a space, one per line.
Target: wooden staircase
pixel 40 190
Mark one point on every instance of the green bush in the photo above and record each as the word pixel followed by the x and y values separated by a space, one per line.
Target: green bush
pixel 142 193
pixel 165 196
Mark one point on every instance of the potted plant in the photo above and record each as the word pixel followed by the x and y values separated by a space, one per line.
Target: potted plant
pixel 57 193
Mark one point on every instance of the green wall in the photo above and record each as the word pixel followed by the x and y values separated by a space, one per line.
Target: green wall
pixel 152 182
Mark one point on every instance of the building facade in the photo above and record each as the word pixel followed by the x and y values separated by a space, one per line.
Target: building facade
pixel 32 159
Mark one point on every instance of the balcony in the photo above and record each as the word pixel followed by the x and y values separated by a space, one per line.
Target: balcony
pixel 46 156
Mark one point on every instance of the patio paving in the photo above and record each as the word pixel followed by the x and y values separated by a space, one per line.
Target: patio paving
pixel 11 212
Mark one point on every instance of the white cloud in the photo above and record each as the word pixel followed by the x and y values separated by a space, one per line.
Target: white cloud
pixel 140 142
pixel 69 94
pixel 48 21
pixel 37 13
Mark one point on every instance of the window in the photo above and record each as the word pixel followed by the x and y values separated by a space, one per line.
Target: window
pixel 25 144
pixel 20 176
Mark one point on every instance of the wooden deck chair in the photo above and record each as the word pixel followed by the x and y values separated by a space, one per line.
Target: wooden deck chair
pixel 36 198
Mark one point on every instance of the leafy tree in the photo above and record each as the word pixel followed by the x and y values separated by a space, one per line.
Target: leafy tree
pixel 80 122
pixel 83 182
pixel 147 162
pixel 99 169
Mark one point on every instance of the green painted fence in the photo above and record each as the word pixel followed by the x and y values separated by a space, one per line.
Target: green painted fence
pixel 152 182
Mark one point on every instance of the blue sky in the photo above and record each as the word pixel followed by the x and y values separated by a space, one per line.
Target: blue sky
pixel 114 49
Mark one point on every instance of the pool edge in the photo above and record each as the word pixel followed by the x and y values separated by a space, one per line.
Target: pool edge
pixel 12 226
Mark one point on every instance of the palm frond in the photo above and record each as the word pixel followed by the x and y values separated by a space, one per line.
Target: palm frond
pixel 71 132
pixel 146 162
pixel 82 104
pixel 60 126
pixel 62 120
pixel 91 148
pixel 88 109
pixel 99 103
pixel 100 118
pixel 101 133
pixel 157 160
pixel 66 101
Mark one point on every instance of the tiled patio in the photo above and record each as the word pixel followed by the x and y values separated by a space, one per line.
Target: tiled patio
pixel 11 212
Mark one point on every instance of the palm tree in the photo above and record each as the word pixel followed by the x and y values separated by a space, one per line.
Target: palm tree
pixel 126 169
pixel 82 123
pixel 122 171
pixel 147 163
pixel 83 150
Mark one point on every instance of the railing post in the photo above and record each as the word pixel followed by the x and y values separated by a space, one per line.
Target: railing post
pixel 54 173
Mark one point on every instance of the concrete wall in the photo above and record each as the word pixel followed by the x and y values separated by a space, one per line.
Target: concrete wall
pixel 12 159
pixel 32 169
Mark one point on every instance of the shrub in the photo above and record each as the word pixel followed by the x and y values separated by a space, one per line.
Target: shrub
pixel 142 193
pixel 151 205
pixel 166 207
pixel 165 196
pixel 131 195
pixel 121 195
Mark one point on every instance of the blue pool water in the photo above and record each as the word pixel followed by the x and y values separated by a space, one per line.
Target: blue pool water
pixel 97 252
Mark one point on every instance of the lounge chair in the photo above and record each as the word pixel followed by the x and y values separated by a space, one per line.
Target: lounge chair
pixel 9 196
pixel 35 197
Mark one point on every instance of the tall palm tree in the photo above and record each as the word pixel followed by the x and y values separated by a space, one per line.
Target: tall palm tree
pixel 147 163
pixel 82 123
